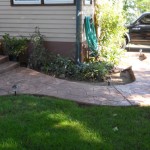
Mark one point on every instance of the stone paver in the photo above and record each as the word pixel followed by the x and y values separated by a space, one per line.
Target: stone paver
pixel 32 82
pixel 138 92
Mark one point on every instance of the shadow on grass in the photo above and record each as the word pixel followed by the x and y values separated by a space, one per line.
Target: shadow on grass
pixel 39 123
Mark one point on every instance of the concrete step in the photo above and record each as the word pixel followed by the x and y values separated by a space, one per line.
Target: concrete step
pixel 3 59
pixel 7 66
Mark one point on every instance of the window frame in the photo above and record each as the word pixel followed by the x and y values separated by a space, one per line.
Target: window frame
pixel 42 4
pixel 88 3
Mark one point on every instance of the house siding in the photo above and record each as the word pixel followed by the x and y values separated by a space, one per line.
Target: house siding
pixel 56 23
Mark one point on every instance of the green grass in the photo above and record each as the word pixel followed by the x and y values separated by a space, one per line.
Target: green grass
pixel 42 123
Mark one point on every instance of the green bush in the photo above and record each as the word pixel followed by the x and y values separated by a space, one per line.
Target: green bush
pixel 92 71
pixel 58 65
pixel 110 21
pixel 39 55
pixel 41 59
pixel 13 45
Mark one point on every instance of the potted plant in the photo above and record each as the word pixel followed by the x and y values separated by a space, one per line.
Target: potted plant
pixel 14 46
pixel 1 49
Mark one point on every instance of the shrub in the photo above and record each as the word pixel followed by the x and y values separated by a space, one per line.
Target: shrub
pixel 110 20
pixel 92 71
pixel 60 66
pixel 13 45
pixel 39 55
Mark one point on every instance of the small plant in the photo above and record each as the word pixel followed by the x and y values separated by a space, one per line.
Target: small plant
pixel 58 65
pixel 39 55
pixel 14 46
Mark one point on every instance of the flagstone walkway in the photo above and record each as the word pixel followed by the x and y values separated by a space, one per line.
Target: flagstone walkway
pixel 32 82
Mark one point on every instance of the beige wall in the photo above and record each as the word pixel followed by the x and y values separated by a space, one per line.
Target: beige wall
pixel 56 23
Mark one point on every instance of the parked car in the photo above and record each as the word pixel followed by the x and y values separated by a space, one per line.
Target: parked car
pixel 139 30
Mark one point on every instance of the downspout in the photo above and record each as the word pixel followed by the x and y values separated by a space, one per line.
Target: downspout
pixel 78 30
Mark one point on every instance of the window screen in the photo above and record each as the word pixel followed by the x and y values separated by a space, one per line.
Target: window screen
pixel 43 2
pixel 58 1
pixel 27 1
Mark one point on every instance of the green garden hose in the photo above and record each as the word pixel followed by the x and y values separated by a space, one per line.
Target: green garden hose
pixel 91 37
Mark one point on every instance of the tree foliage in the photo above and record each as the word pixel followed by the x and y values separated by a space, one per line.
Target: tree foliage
pixel 110 21
pixel 143 5
pixel 134 8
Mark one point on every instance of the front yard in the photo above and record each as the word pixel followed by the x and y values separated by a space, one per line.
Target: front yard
pixel 43 123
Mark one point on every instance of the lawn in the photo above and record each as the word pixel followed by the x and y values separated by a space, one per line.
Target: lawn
pixel 46 123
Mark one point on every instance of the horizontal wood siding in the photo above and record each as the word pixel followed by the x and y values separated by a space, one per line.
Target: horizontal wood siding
pixel 56 23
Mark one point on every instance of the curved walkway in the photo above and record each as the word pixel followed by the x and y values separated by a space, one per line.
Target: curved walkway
pixel 31 82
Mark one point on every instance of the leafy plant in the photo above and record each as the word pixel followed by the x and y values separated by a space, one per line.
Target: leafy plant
pixel 92 71
pixel 95 71
pixel 110 21
pixel 134 8
pixel 13 45
pixel 41 59
pixel 39 55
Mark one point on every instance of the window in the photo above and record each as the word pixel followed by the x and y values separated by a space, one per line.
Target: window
pixel 145 20
pixel 26 1
pixel 58 1
pixel 42 2
pixel 87 2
